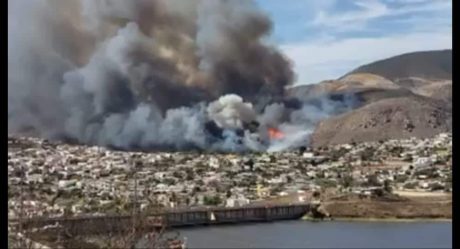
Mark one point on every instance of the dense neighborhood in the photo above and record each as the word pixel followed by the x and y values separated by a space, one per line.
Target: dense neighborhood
pixel 48 178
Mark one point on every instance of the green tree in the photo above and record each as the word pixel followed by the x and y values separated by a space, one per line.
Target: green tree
pixel 212 200
pixel 173 197
pixel 368 154
pixel 401 178
pixel 387 186
pixel 372 180
pixel 326 183
pixel 347 181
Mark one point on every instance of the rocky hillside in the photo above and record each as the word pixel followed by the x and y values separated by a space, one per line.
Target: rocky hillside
pixel 400 117
pixel 438 89
pixel 400 97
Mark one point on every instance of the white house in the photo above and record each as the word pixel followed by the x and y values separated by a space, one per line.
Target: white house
pixel 214 162
pixel 308 155
pixel 423 162
pixel 236 202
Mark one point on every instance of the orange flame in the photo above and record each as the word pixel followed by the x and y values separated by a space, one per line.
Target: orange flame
pixel 274 133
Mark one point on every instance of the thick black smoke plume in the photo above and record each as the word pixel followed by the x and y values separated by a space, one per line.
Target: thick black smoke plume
pixel 140 73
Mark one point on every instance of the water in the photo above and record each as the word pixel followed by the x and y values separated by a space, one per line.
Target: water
pixel 336 234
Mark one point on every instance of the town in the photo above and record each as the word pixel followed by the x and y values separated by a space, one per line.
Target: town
pixel 47 178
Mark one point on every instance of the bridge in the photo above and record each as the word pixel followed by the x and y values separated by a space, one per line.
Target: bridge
pixel 92 225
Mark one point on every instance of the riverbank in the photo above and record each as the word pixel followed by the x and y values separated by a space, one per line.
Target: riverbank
pixel 413 220
pixel 399 206
pixel 405 207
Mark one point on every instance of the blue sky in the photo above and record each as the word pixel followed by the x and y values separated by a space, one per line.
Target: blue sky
pixel 327 38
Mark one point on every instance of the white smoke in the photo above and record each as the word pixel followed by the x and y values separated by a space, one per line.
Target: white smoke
pixel 302 122
pixel 230 112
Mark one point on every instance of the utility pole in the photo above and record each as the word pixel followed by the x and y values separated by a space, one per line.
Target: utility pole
pixel 134 209
pixel 21 203
pixel 21 197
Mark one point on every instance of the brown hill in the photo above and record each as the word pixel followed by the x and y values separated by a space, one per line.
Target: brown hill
pixel 367 87
pixel 433 65
pixel 404 96
pixel 401 117
pixel 351 83
pixel 438 89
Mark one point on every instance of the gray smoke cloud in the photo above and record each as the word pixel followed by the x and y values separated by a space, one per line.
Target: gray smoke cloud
pixel 301 123
pixel 140 73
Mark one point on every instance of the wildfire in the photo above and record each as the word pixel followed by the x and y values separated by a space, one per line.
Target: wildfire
pixel 274 133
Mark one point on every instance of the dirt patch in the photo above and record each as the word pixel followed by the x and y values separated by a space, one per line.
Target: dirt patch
pixel 418 194
pixel 406 208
